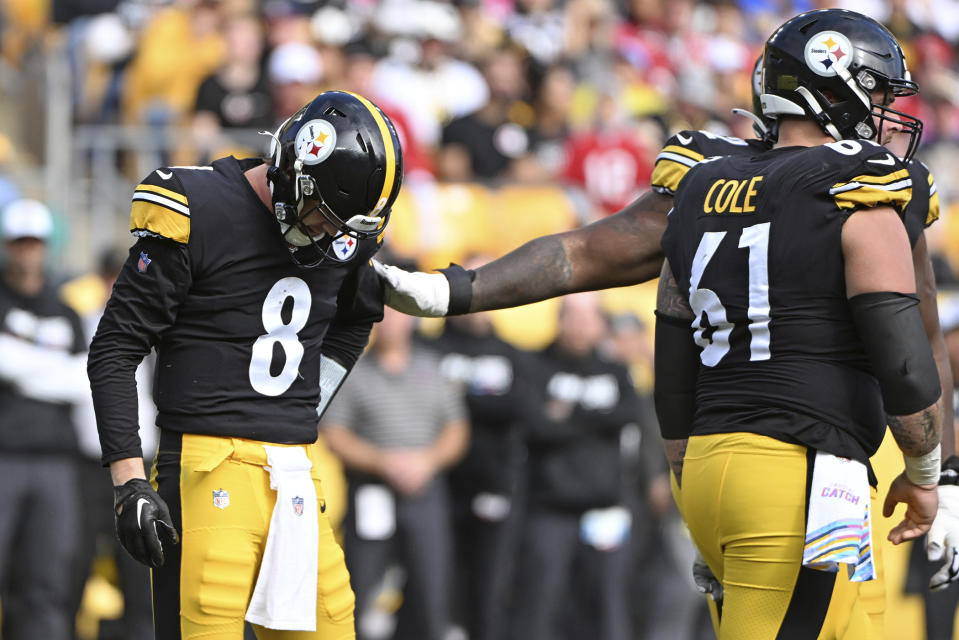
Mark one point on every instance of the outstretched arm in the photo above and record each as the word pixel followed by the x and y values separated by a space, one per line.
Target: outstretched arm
pixel 617 251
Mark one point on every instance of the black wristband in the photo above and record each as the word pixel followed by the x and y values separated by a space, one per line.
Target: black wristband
pixel 950 471
pixel 461 288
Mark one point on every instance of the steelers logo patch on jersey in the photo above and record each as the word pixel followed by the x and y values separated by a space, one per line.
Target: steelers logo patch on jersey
pixel 315 141
pixel 827 52
pixel 344 247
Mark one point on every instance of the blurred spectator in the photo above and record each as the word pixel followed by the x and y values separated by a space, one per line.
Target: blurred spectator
pixel 100 48
pixel 41 367
pixel 238 94
pixel 87 295
pixel 178 48
pixel 398 425
pixel 486 484
pixel 421 73
pixel 358 76
pixel 609 163
pixel 548 132
pixel 288 21
pixel 539 26
pixel 295 71
pixel 483 144
pixel 576 513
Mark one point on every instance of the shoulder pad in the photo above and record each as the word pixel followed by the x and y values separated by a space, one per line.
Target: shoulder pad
pixel 685 149
pixel 160 207
pixel 874 177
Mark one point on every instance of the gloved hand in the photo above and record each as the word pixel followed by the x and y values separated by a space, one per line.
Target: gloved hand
pixel 142 518
pixel 414 293
pixel 942 541
pixel 706 582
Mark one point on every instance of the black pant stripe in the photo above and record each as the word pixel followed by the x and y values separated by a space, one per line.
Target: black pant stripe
pixel 810 599
pixel 166 579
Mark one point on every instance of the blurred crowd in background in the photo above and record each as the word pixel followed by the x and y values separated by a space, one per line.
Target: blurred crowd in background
pixel 517 118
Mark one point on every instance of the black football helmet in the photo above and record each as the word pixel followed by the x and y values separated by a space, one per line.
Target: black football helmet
pixel 827 65
pixel 765 127
pixel 339 156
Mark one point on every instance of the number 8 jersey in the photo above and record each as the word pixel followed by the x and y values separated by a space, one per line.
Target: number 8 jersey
pixel 238 328
pixel 756 242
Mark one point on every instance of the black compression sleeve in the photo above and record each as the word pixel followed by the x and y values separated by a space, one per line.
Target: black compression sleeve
pixel 676 370
pixel 895 340
pixel 144 303
pixel 461 288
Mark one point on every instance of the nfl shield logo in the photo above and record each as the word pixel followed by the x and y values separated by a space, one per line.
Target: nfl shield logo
pixel 298 505
pixel 221 499
pixel 143 262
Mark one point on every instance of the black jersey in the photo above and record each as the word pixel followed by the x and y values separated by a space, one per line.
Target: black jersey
pixel 686 149
pixel 923 208
pixel 756 243
pixel 238 327
pixel 491 372
pixel 43 320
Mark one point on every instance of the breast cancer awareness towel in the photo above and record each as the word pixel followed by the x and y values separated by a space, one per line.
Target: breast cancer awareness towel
pixel 839 522
pixel 285 593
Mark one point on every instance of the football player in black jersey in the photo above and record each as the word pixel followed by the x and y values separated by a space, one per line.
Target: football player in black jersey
pixel 624 249
pixel 252 280
pixel 788 333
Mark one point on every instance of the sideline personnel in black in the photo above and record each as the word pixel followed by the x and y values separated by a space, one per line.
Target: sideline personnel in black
pixel 39 502
pixel 251 345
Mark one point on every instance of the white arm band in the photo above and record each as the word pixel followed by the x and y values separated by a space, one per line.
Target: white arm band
pixel 924 469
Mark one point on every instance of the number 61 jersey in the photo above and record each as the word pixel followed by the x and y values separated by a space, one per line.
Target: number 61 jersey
pixel 756 242
pixel 238 327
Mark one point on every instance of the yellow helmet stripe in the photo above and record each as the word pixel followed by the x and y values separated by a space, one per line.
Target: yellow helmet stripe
pixel 390 151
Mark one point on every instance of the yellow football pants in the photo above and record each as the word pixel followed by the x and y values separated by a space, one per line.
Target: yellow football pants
pixel 221 502
pixel 744 498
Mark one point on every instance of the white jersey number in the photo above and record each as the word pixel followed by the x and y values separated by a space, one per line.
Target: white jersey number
pixel 706 301
pixel 284 334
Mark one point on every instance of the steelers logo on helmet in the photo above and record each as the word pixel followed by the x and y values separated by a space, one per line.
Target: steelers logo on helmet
pixel 344 247
pixel 827 52
pixel 315 141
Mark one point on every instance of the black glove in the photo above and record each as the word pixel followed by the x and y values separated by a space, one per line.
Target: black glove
pixel 142 517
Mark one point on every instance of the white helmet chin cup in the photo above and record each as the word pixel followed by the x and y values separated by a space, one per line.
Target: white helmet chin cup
pixel 296 237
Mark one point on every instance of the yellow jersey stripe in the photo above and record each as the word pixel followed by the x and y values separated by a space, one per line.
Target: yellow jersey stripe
pixel 933 214
pixel 868 197
pixel 689 153
pixel 885 179
pixel 667 174
pixel 390 151
pixel 160 220
pixel 173 195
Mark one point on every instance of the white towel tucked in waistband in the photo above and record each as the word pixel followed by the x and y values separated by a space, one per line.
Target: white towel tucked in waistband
pixel 839 522
pixel 285 593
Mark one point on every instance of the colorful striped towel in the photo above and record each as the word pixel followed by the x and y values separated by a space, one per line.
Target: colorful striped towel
pixel 839 522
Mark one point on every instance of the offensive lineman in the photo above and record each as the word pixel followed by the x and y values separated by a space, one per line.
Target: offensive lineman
pixel 624 249
pixel 793 270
